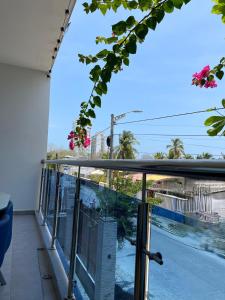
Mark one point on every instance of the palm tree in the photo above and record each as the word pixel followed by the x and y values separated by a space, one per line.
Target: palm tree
pixel 159 155
pixel 204 155
pixel 188 156
pixel 125 150
pixel 176 149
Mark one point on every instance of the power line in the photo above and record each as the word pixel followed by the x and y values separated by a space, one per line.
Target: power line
pixel 99 132
pixel 187 144
pixel 162 134
pixel 172 116
pixel 152 153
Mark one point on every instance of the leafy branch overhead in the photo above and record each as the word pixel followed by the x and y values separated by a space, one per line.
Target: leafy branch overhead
pixel 217 123
pixel 126 35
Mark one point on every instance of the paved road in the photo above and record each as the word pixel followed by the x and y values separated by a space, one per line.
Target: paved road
pixel 187 273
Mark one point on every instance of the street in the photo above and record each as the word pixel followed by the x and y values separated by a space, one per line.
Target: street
pixel 187 273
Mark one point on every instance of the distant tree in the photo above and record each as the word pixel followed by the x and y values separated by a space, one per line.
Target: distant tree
pixel 121 204
pixel 126 149
pixel 205 155
pixel 61 153
pixel 105 155
pixel 124 184
pixel 159 155
pixel 188 156
pixel 176 149
pixel 98 178
pixel 223 155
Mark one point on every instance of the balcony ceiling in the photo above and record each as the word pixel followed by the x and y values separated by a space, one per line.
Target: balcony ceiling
pixel 29 30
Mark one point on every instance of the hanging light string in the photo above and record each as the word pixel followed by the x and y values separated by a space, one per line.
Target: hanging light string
pixel 63 28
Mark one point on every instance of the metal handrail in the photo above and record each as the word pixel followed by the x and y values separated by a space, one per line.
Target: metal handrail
pixel 201 169
pixel 210 169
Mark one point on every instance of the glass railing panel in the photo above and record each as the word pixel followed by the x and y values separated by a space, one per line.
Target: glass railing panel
pixel 52 179
pixel 65 215
pixel 44 191
pixel 106 256
pixel 188 229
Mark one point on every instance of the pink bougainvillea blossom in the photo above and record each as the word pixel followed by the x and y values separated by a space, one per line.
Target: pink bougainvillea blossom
pixel 87 142
pixel 71 145
pixel 210 84
pixel 202 79
pixel 80 139
pixel 71 135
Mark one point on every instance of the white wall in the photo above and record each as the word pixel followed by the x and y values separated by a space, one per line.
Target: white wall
pixel 24 110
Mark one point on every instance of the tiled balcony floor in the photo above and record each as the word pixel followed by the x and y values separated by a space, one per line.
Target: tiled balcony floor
pixel 26 267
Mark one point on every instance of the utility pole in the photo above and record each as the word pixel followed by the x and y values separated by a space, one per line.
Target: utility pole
pixel 111 136
pixel 111 149
pixel 113 122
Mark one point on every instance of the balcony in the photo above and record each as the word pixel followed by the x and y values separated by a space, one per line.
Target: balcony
pixel 74 238
pixel 97 243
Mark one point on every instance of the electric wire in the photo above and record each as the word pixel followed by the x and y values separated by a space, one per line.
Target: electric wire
pixel 171 116
pixel 162 134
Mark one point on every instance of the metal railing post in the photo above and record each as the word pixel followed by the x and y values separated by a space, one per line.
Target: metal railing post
pixel 47 194
pixel 73 251
pixel 41 190
pixel 142 244
pixel 56 209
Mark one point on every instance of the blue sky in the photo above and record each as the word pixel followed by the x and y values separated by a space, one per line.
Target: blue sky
pixel 158 80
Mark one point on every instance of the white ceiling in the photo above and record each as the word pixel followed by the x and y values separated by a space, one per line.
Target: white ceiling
pixel 29 30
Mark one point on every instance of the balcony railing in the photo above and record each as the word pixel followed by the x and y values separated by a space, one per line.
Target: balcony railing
pixel 113 246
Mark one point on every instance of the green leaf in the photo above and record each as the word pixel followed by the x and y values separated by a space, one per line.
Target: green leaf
pixel 116 48
pixel 186 1
pixel 131 46
pixel 119 28
pixel 132 4
pixel 168 6
pixel 141 31
pixel 97 101
pixel 126 61
pixel 106 75
pixel 151 23
pixel 213 119
pixel 216 9
pixel 92 104
pixel 219 74
pixel 84 121
pixel 158 14
pixel 177 3
pixel 84 104
pixel 111 60
pixel 223 102
pixel 130 21
pixel 102 86
pixel 95 72
pixel 103 8
pixel 222 61
pixel 111 40
pixel 215 131
pixel 102 53
pixel 93 6
pixel 91 113
pixel 98 90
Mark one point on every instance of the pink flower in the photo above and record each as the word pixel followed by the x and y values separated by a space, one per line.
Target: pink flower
pixel 205 71
pixel 210 84
pixel 201 79
pixel 203 74
pixel 71 145
pixel 197 76
pixel 71 135
pixel 87 142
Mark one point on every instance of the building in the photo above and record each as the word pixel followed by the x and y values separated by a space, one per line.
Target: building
pixel 98 145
